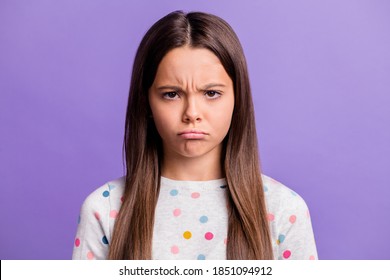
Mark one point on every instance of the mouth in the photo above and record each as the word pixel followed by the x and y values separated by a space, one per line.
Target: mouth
pixel 192 134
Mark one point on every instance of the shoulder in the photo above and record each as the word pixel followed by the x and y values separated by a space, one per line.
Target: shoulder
pixel 280 198
pixel 290 223
pixel 105 196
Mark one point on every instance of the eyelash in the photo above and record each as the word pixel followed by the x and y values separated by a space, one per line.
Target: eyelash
pixel 216 93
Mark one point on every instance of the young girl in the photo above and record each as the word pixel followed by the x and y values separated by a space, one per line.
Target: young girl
pixel 193 187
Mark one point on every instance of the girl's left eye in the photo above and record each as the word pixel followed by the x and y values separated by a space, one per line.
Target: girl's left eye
pixel 212 94
pixel 170 95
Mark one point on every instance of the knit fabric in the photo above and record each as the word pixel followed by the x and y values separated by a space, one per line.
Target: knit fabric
pixel 191 221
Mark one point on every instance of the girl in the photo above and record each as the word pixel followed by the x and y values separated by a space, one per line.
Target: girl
pixel 193 187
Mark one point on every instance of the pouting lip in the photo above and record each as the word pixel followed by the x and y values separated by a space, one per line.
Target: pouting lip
pixel 192 131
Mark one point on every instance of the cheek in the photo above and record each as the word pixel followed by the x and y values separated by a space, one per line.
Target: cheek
pixel 160 123
pixel 226 121
pixel 164 122
pixel 222 119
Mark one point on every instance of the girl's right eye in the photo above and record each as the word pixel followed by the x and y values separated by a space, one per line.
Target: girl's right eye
pixel 170 95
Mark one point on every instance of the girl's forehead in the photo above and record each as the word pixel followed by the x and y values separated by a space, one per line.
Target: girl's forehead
pixel 191 54
pixel 185 64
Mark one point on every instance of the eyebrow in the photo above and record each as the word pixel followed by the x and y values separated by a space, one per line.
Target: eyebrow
pixel 205 87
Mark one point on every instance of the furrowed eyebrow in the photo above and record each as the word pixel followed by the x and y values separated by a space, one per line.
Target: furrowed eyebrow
pixel 176 88
pixel 213 85
pixel 169 87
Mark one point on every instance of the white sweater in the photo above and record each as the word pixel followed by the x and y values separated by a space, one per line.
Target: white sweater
pixel 191 221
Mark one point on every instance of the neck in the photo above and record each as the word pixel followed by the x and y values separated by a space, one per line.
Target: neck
pixel 203 168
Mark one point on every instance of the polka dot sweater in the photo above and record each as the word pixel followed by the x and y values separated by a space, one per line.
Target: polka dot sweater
pixel 191 221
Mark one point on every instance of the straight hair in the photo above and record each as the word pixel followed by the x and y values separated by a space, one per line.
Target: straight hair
pixel 248 229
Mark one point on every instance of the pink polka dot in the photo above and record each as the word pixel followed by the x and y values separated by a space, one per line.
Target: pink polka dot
pixel 286 254
pixel 97 216
pixel 270 217
pixel 312 258
pixel 90 255
pixel 195 195
pixel 77 242
pixel 292 219
pixel 122 199
pixel 176 212
pixel 209 236
pixel 307 213
pixel 225 241
pixel 175 250
pixel 113 214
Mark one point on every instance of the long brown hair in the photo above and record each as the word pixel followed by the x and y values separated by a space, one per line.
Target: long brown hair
pixel 248 229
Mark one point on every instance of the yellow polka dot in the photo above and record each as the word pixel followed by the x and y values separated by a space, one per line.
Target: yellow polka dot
pixel 187 235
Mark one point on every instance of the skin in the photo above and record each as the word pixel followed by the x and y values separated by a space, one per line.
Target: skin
pixel 192 90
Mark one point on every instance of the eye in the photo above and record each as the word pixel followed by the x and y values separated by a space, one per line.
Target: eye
pixel 212 94
pixel 170 95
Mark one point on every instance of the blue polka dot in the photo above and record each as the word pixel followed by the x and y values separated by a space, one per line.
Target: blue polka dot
pixel 104 240
pixel 201 257
pixel 281 238
pixel 174 192
pixel 265 188
pixel 203 219
pixel 106 193
pixel 293 193
pixel 223 187
pixel 111 187
pixel 79 219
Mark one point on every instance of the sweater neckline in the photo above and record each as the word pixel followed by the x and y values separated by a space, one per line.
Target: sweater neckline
pixel 217 183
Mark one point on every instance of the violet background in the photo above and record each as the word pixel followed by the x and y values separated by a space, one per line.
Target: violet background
pixel 320 75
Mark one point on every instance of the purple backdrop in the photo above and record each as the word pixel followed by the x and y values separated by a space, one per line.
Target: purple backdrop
pixel 320 74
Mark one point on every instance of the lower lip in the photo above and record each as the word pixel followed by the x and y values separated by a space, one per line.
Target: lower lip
pixel 192 135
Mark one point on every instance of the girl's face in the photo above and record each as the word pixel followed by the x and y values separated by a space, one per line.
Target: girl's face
pixel 192 101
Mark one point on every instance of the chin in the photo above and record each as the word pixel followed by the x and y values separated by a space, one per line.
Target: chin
pixel 196 153
pixel 196 149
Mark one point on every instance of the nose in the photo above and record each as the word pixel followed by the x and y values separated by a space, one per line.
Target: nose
pixel 191 110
